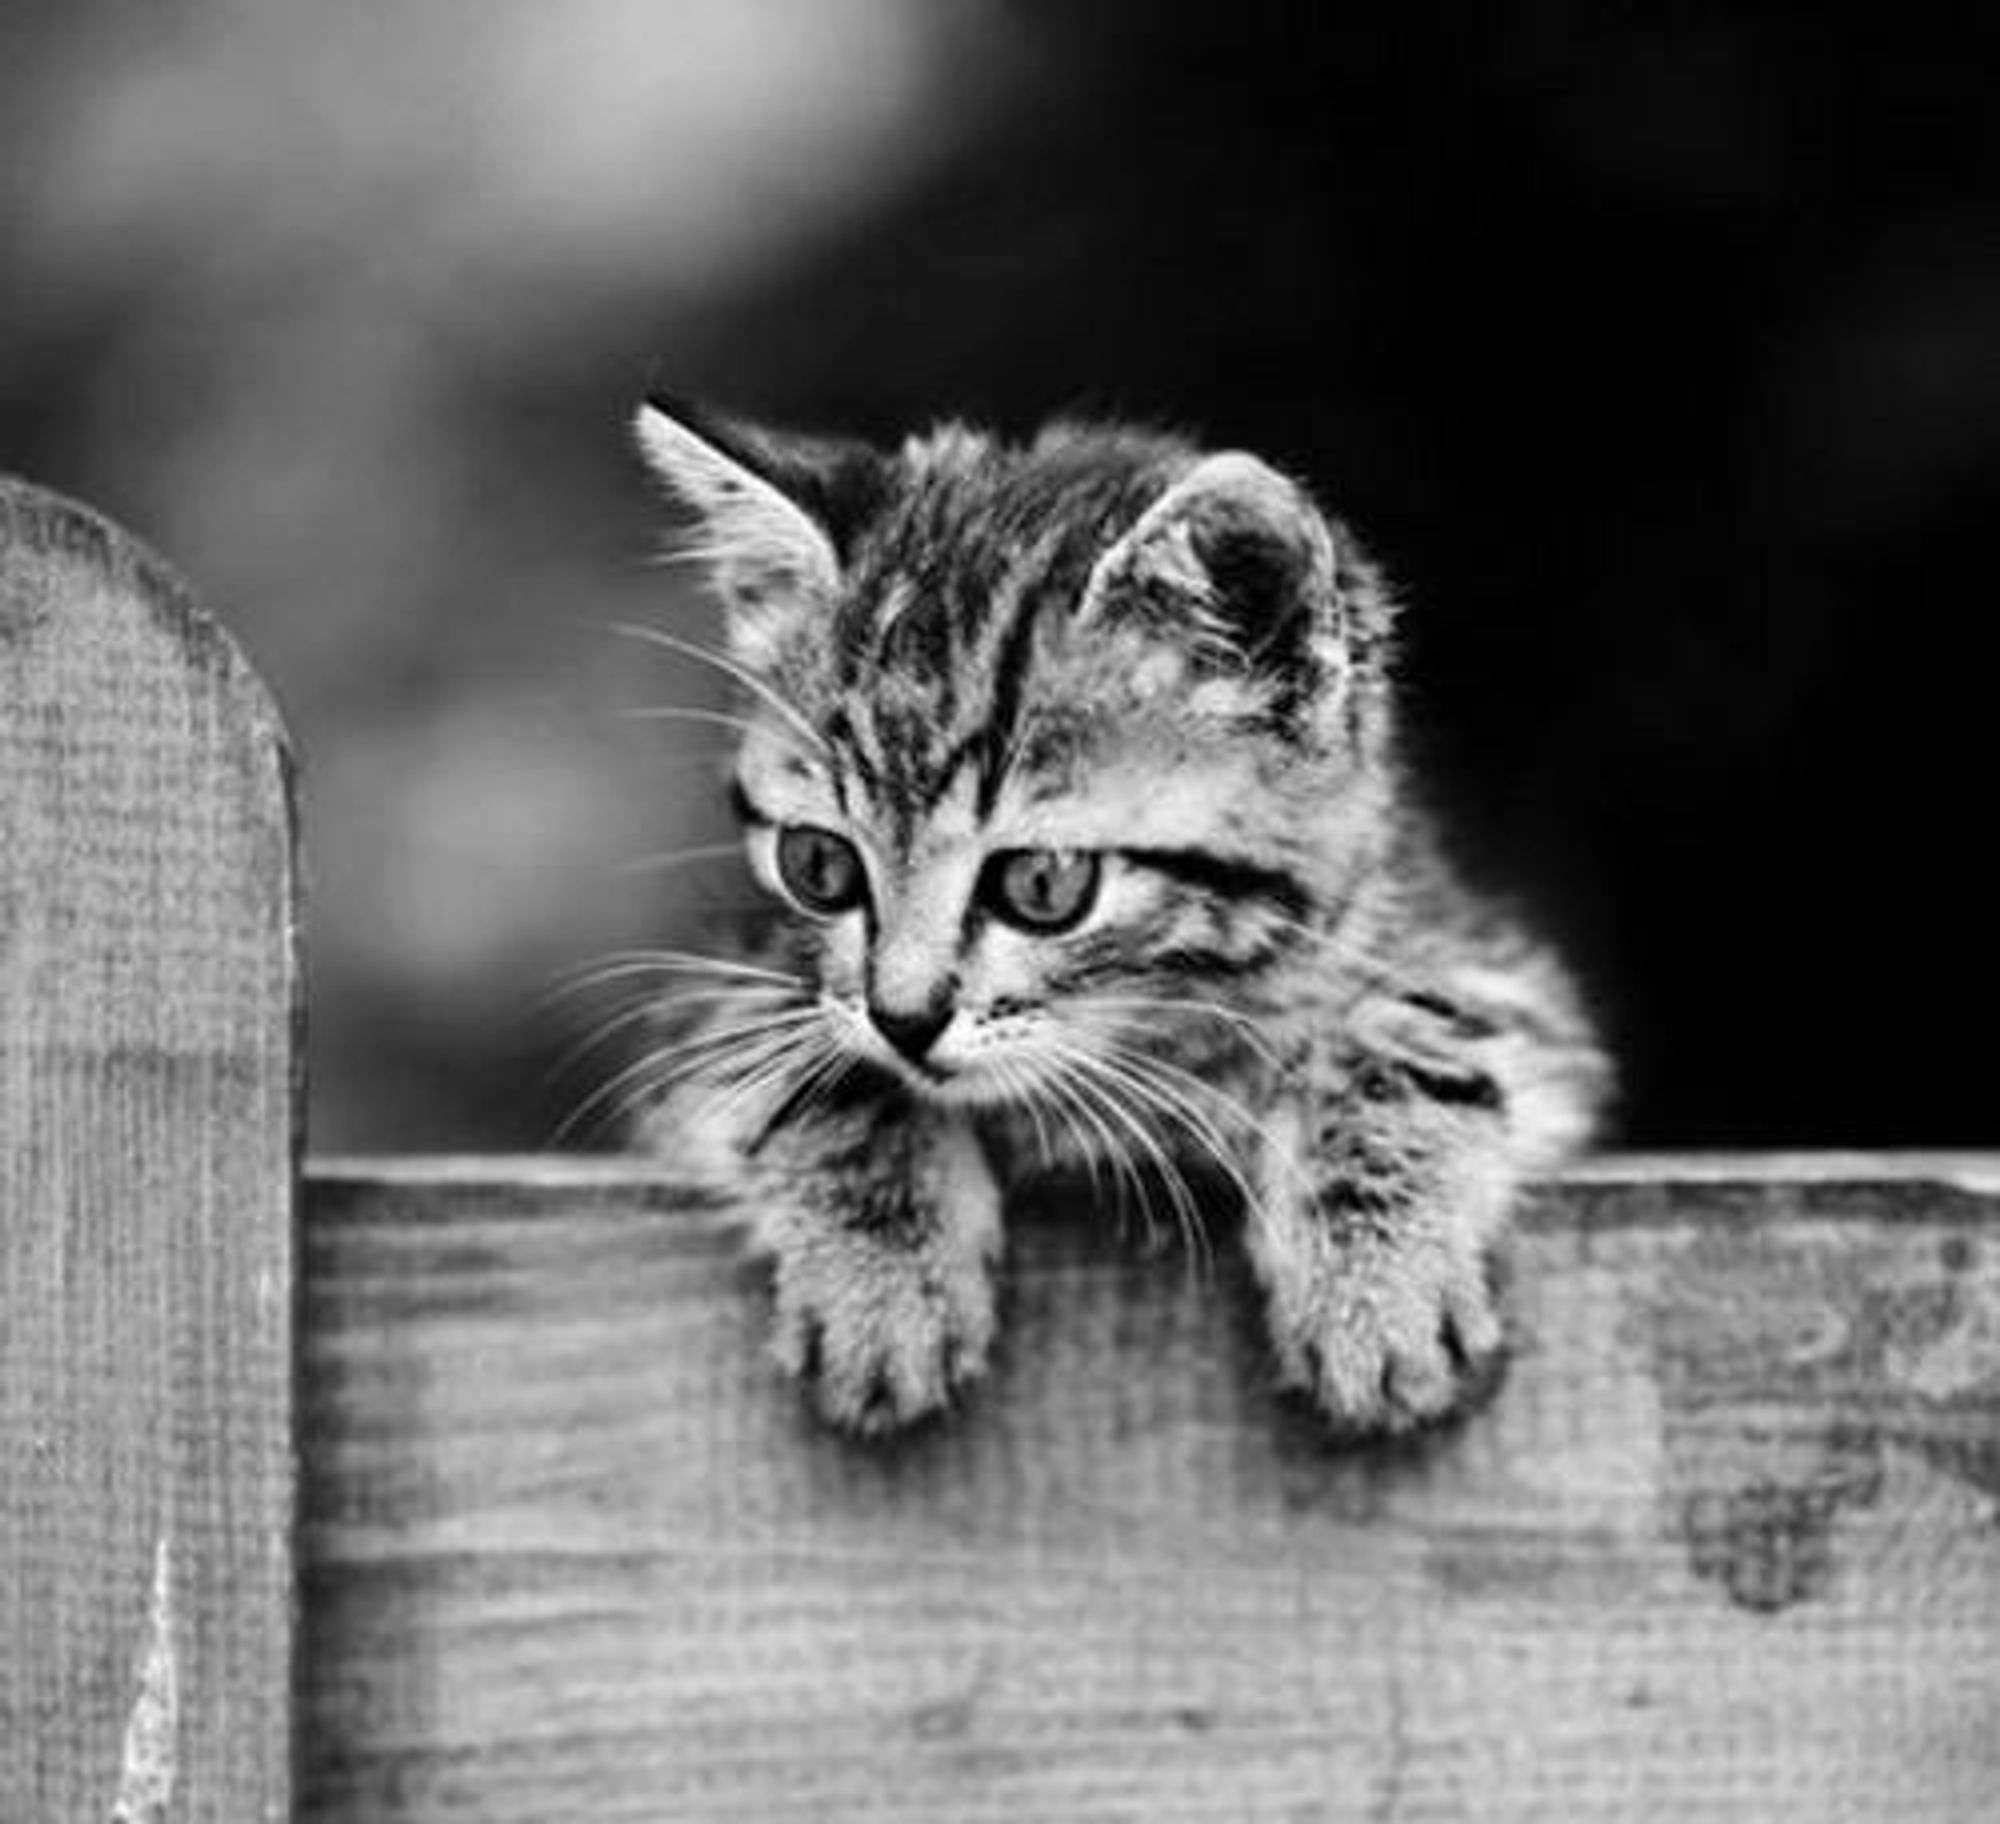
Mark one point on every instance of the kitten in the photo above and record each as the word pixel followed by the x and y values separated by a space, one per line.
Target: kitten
pixel 1072 768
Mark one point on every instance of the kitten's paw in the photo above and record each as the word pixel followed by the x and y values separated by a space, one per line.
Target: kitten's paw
pixel 881 1336
pixel 1387 1339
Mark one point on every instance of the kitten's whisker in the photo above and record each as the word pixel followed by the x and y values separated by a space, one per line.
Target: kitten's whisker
pixel 644 1007
pixel 1100 1089
pixel 1229 1105
pixel 1083 1123
pixel 729 667
pixel 1060 1109
pixel 1133 1067
pixel 840 1058
pixel 817 1080
pixel 1187 1213
pixel 679 1055
pixel 603 975
pixel 799 1052
pixel 623 963
pixel 663 859
pixel 839 1062
pixel 1194 1085
pixel 1252 1033
pixel 686 1090
pixel 716 1073
pixel 1110 1082
pixel 1175 1106
pixel 1127 1174
pixel 647 1079
pixel 1114 1045
pixel 685 712
pixel 1017 1084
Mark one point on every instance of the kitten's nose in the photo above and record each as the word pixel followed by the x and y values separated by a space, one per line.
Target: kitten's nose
pixel 911 1030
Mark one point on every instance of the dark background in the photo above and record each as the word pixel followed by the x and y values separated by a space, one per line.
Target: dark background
pixel 1657 352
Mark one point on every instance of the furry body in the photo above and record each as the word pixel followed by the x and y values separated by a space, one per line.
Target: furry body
pixel 1072 767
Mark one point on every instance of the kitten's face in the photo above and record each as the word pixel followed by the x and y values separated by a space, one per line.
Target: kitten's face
pixel 1048 747
pixel 965 944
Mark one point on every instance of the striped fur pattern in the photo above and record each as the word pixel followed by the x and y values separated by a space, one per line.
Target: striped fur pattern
pixel 1071 770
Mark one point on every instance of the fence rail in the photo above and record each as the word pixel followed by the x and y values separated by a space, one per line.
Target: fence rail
pixel 561 1546
pixel 1727 1546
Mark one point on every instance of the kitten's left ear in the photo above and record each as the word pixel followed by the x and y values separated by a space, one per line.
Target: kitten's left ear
pixel 1235 560
pixel 774 513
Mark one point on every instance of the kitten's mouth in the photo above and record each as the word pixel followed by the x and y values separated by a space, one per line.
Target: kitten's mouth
pixel 964 1085
pixel 918 1075
pixel 944 1086
pixel 937 1083
pixel 925 1079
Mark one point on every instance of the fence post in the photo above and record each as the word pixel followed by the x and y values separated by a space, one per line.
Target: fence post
pixel 149 1115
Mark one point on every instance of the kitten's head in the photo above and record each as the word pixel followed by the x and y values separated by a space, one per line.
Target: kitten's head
pixel 1051 745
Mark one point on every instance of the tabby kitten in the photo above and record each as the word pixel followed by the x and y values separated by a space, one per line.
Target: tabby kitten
pixel 1072 769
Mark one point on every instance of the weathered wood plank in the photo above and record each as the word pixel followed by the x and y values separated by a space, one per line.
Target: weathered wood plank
pixel 1726 1548
pixel 147 1161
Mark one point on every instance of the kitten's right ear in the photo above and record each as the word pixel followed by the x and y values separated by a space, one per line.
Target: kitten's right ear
pixel 773 513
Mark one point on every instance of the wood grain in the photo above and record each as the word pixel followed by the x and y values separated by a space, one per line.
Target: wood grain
pixel 147 1158
pixel 1727 1546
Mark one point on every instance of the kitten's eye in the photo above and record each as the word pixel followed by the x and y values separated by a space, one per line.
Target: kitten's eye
pixel 1042 889
pixel 820 870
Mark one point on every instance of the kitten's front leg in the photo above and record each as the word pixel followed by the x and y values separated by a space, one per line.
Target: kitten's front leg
pixel 883 1228
pixel 1380 1205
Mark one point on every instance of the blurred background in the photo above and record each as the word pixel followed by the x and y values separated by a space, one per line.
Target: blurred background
pixel 1656 350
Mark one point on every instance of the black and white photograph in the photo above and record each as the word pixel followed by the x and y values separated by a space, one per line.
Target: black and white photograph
pixel 974 909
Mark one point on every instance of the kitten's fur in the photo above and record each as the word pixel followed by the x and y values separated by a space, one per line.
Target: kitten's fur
pixel 1101 644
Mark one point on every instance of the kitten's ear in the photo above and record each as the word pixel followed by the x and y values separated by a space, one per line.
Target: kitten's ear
pixel 773 513
pixel 1235 560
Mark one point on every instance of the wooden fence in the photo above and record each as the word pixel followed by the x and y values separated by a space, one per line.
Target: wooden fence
pixel 461 1489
